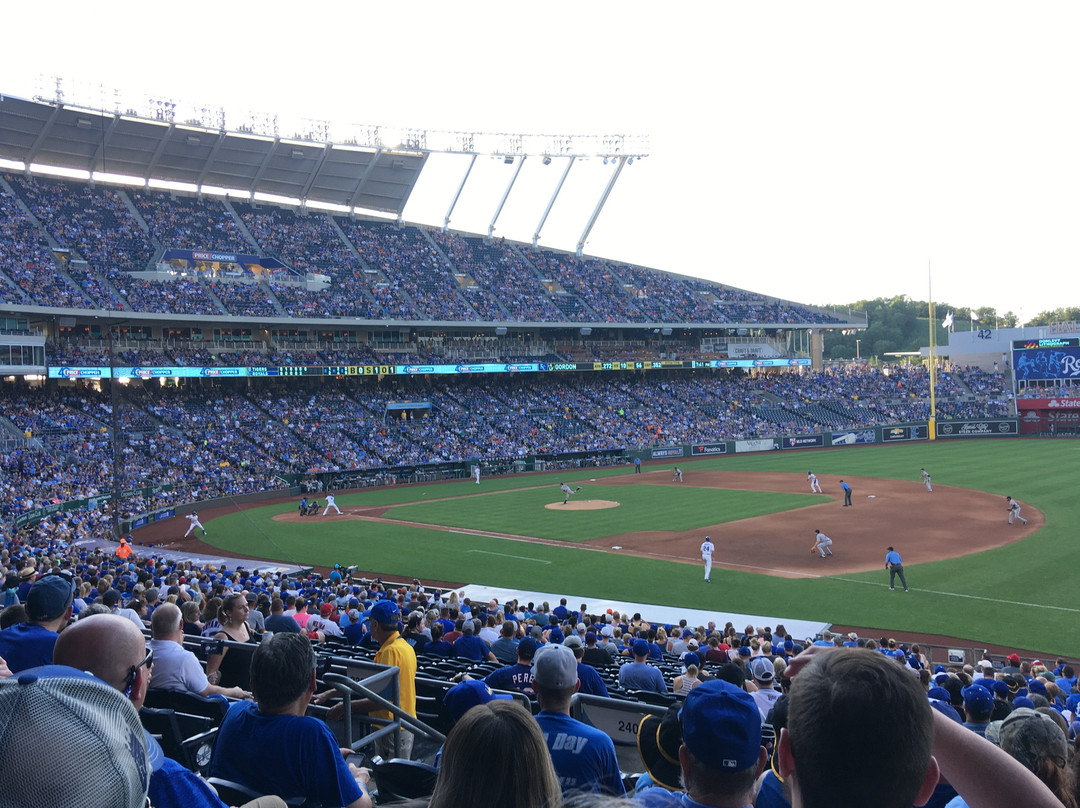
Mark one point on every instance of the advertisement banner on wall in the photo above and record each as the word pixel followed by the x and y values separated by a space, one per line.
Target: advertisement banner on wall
pixel 900 433
pixel 759 445
pixel 850 438
pixel 708 449
pixel 668 451
pixel 804 441
pixel 977 429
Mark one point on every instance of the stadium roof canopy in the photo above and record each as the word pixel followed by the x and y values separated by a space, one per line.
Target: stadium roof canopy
pixel 338 167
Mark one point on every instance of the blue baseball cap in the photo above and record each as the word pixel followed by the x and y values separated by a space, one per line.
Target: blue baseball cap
pixel 1037 685
pixel 978 699
pixel 938 693
pixel 1023 701
pixel 465 695
pixel 1001 690
pixel 640 648
pixel 722 726
pixel 385 612
pixel 555 636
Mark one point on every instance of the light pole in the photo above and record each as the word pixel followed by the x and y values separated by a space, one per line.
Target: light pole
pixel 857 354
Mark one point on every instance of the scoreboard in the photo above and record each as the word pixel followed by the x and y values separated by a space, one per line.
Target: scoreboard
pixel 71 372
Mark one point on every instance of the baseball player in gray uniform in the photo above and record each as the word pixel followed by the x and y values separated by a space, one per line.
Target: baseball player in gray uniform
pixel 822 544
pixel 707 548
pixel 568 492
pixel 1014 510
pixel 926 479
pixel 814 484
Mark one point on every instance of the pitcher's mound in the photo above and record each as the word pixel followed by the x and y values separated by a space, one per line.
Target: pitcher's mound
pixel 583 505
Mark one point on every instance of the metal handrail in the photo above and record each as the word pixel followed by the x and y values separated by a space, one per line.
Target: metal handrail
pixel 349 687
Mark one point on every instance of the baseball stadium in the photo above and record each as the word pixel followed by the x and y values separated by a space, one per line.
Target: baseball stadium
pixel 230 364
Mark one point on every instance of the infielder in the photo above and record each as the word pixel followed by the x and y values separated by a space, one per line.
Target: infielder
pixel 676 475
pixel 814 484
pixel 330 504
pixel 822 543
pixel 1014 510
pixel 568 492
pixel 706 556
pixel 193 517
pixel 926 479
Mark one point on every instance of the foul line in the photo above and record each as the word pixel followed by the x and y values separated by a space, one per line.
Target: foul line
pixel 969 597
pixel 507 555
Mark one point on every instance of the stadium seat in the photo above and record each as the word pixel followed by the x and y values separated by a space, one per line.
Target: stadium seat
pixel 400 779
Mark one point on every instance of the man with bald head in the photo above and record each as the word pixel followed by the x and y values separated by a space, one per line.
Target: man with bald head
pixel 175 667
pixel 112 649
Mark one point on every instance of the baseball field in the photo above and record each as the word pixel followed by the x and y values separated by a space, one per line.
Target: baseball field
pixel 635 537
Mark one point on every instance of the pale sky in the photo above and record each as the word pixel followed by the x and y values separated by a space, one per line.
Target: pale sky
pixel 822 152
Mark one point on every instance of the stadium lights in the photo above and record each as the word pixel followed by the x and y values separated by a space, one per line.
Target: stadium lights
pixel 60 171
pixel 171 185
pixel 13 165
pixel 116 179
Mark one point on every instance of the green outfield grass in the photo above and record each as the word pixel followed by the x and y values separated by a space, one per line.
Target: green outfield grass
pixel 1020 595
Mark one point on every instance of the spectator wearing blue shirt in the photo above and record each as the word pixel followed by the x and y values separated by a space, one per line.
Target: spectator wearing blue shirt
pixel 48 606
pixel 469 646
pixel 584 757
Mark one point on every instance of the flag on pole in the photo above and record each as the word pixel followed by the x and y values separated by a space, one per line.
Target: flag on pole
pixel 948 321
pixel 974 317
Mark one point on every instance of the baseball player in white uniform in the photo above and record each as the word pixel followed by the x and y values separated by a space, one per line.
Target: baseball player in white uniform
pixel 707 548
pixel 814 484
pixel 568 492
pixel 926 479
pixel 476 471
pixel 193 517
pixel 676 475
pixel 330 504
pixel 1014 510
pixel 822 544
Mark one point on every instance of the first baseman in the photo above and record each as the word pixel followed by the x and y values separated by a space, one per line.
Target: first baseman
pixel 926 479
pixel 707 548
pixel 822 544
pixel 814 484
pixel 568 492
pixel 193 517
pixel 1014 510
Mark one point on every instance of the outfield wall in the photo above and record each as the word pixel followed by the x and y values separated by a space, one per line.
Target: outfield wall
pixel 896 433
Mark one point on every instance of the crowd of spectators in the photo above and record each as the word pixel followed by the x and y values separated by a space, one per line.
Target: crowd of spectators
pixel 377 270
pixel 26 259
pixel 96 224
pixel 208 439
pixel 719 695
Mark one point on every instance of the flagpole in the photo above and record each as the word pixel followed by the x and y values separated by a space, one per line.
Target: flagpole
pixel 932 426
